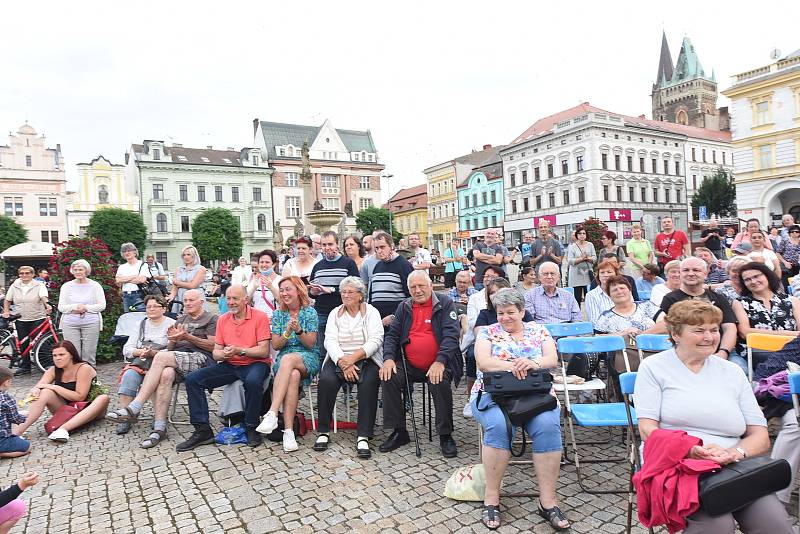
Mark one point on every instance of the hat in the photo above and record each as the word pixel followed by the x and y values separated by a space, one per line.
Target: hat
pixel 743 248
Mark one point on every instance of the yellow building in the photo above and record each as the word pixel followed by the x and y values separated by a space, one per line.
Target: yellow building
pixel 409 209
pixel 765 123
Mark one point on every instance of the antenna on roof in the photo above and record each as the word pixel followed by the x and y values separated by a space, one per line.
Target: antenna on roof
pixel 775 54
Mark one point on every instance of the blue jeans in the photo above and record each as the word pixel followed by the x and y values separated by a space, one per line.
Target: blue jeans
pixel 130 383
pixel 132 301
pixel 469 362
pixel 740 361
pixel 222 374
pixel 544 429
pixel 323 325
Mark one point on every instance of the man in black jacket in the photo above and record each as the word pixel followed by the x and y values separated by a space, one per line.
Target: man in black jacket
pixel 430 324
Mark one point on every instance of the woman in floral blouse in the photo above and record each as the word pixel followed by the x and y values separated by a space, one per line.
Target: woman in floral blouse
pixel 513 346
pixel 763 308
pixel 789 254
pixel 626 317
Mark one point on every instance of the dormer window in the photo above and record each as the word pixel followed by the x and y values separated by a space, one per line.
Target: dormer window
pixel 156 154
pixel 182 158
pixel 226 160
pixel 355 157
pixel 281 152
pixel 255 160
pixel 371 157
pixel 205 159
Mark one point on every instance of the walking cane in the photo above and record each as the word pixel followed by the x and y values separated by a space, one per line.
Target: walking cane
pixel 410 398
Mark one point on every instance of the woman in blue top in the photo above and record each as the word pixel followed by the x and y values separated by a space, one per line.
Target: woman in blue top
pixel 294 336
pixel 454 259
pixel 190 275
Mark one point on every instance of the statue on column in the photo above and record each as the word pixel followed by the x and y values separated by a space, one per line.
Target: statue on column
pixel 348 208
pixel 298 227
pixel 277 235
pixel 318 205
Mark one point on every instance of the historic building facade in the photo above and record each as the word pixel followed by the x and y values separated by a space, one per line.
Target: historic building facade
pixel 480 200
pixel 344 165
pixel 33 185
pixel 100 184
pixel 409 211
pixel 765 121
pixel 175 184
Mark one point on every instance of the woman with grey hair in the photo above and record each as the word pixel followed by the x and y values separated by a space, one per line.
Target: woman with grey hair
pixel 81 300
pixel 190 275
pixel 354 340
pixel 129 275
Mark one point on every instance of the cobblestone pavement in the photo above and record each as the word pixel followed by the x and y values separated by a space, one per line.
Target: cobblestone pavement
pixel 101 482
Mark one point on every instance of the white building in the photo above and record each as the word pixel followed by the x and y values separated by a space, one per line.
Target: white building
pixel 765 121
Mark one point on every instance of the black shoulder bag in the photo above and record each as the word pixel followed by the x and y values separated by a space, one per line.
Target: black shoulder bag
pixel 519 400
pixel 151 287
pixel 738 484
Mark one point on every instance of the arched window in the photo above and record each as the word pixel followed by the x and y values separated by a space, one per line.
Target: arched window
pixel 161 223
pixel 682 118
pixel 261 223
pixel 102 194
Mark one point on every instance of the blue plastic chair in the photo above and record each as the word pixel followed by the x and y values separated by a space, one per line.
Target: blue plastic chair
pixel 627 383
pixel 644 295
pixel 570 289
pixel 652 343
pixel 558 330
pixel 612 414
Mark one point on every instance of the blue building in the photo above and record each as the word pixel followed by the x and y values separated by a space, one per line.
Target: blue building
pixel 480 201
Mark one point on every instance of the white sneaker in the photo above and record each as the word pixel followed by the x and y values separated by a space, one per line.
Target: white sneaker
pixel 60 435
pixel 467 410
pixel 289 443
pixel 268 424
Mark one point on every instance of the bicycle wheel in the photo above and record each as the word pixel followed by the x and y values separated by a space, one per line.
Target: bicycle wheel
pixel 7 344
pixel 43 352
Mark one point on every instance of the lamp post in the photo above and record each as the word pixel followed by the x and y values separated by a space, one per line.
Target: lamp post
pixel 387 176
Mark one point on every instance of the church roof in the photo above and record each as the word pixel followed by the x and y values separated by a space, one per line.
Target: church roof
pixel 688 66
pixel 281 134
pixel 664 62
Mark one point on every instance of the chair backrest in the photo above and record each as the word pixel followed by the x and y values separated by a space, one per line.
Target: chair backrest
pixel 794 383
pixel 767 342
pixel 644 295
pixel 653 342
pixel 627 381
pixel 570 289
pixel 569 329
pixel 582 345
pixel 128 324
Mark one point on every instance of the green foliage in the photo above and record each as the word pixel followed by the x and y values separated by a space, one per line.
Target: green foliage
pixel 370 219
pixel 11 233
pixel 594 229
pixel 104 269
pixel 115 226
pixel 217 235
pixel 717 193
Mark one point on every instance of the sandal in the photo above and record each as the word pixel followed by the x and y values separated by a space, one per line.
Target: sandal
pixel 491 514
pixel 156 437
pixel 322 442
pixel 123 414
pixel 554 516
pixel 363 452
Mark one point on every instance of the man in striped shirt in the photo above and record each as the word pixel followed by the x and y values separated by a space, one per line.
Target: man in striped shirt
pixel 388 284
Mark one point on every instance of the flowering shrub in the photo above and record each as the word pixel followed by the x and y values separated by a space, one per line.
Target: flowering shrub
pixel 594 230
pixel 104 270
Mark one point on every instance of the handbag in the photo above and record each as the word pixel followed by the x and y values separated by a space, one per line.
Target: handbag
pixel 738 484
pixel 584 365
pixel 467 483
pixel 519 400
pixel 64 414
pixel 151 287
pixel 231 435
pixel 144 363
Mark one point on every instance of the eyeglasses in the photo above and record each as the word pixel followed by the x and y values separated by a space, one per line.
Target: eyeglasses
pixel 753 278
pixel 794 231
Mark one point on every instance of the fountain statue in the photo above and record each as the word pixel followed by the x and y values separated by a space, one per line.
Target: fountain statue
pixel 320 218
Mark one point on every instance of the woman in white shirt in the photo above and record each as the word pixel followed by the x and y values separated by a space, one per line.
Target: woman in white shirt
pixel 263 287
pixel 301 264
pixel 354 341
pixel 597 300
pixel 81 300
pixel 129 275
pixel 762 254
pixel 242 273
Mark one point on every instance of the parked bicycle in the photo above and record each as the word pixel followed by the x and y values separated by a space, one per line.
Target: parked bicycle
pixel 39 347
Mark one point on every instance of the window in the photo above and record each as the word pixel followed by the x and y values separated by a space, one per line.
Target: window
pixel 255 161
pixel 630 163
pixel 537 175
pixel 641 164
pixel 364 203
pixel 604 161
pixel 513 179
pixel 762 113
pixel 677 168
pixel 28 162
pixel 694 154
pixel 156 154
pixel 551 200
pixel 48 206
pixel 261 223
pixel 475 223
pixel 538 202
pixel 723 158
pixel 644 194
pixel 564 166
pixel 579 163
pixel 201 193
pixel 364 182
pixel 765 156
pixel 238 221
pixel 617 164
pixel 183 192
pixel 291 179
pixel 330 203
pixel 694 181
pixel 494 196
pixel 356 156
pixel 161 223
pixel 158 191
pixel 469 223
pixel 205 159
pixel 713 156
pixel 524 177
pixel 257 194
pixel 605 192
pixel 666 166
pixel 704 155
pixel 494 220
pixel 234 194
pixel 330 180
pixel 486 221
pixel 484 198
pixel 655 194
pixel 667 195
pixel 184 223
pixel 678 196
pixel 161 257
pixel 654 161
pixel 513 208
pixel 218 193
pixel 474 199
pixel 566 197
pixel 13 206
pixel 581 195
pixel 631 193
pixel 619 193
pixel 292 207
pixel 550 172
pixel 525 206
pixel 466 201
pixel 281 152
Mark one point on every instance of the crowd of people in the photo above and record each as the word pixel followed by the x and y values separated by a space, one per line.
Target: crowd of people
pixel 350 312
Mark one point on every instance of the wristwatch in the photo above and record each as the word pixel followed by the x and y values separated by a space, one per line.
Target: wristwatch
pixel 740 451
pixel 242 352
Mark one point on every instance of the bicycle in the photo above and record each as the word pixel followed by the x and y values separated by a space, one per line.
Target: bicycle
pixel 40 343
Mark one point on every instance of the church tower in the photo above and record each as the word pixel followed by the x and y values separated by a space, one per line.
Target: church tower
pixel 685 94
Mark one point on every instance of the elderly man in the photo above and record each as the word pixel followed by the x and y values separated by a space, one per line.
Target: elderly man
pixel 486 253
pixel 191 340
pixel 788 221
pixel 712 238
pixel 744 236
pixel 716 274
pixel 428 322
pixel 462 291
pixel 546 247
pixel 242 349
pixel 670 244
pixel 388 286
pixel 649 278
pixel 549 303
pixel 420 256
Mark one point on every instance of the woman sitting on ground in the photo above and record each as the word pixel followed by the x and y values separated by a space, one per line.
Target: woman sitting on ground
pixel 687 388
pixel 354 341
pixel 672 281
pixel 294 336
pixel 68 381
pixel 517 347
pixel 489 315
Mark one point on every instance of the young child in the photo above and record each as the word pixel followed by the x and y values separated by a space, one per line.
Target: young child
pixel 13 509
pixel 11 446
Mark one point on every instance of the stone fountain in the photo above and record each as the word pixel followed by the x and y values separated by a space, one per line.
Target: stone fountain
pixel 320 218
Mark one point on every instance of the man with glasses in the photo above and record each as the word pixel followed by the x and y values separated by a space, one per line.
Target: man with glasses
pixel 546 248
pixel 549 303
pixel 30 298
pixel 487 253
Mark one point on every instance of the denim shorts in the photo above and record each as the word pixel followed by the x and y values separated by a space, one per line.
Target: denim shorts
pixel 14 444
pixel 130 382
pixel 544 429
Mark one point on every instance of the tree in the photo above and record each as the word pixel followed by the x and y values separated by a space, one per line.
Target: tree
pixel 594 230
pixel 104 270
pixel 370 219
pixel 11 233
pixel 717 193
pixel 115 226
pixel 216 235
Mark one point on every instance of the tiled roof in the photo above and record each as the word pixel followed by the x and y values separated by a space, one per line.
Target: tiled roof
pixel 546 124
pixel 418 195
pixel 225 158
pixel 280 134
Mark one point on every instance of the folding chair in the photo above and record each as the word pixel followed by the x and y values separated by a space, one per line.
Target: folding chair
pixel 644 295
pixel 627 383
pixel 174 404
pixel 763 342
pixel 652 343
pixel 794 390
pixel 570 289
pixel 593 415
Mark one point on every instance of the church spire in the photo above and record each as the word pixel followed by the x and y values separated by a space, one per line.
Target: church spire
pixel 664 62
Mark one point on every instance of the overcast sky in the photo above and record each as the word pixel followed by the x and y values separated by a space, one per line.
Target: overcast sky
pixel 432 80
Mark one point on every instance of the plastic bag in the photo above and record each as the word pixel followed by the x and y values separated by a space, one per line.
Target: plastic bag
pixel 231 435
pixel 468 483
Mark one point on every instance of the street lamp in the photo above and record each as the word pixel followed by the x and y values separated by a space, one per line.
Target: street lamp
pixel 387 176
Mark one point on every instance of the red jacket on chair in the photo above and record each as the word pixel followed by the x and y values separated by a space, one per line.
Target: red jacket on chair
pixel 667 484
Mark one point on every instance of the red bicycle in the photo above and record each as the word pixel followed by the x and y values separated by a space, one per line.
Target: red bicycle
pixel 40 343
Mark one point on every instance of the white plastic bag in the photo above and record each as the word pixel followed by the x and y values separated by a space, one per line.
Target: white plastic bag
pixel 468 483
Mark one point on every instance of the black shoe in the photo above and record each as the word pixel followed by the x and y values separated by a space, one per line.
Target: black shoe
pixel 396 439
pixel 22 371
pixel 200 436
pixel 449 449
pixel 123 428
pixel 253 438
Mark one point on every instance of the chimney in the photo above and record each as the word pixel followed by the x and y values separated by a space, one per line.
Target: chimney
pixel 487 147
pixel 641 116
pixel 210 147
pixel 177 145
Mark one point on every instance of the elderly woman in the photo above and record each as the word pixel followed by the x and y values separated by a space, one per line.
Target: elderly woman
pixel 294 329
pixel 517 347
pixel 139 351
pixel 129 275
pixel 303 262
pixel 354 249
pixel 81 300
pixel 626 317
pixel 763 308
pixel 686 388
pixel 354 341
pixel 190 275
pixel 242 273
pixel 581 257
pixel 609 240
pixel 489 315
pixel 263 287
pixel 731 289
pixel 789 254
pixel 640 251
pixel 30 299
pixel 672 281
pixel 597 300
pixel 69 380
